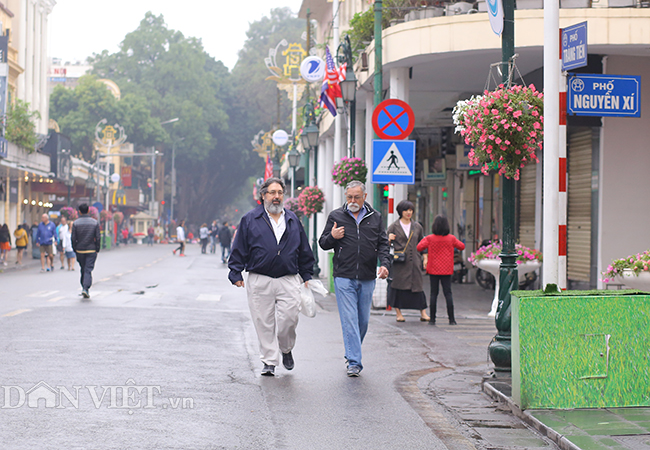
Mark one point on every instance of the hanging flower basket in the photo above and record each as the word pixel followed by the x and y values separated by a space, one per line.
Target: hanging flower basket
pixel 493 250
pixel 349 169
pixel 311 200
pixel 293 205
pixel 118 217
pixel 93 212
pixel 504 128
pixel 105 215
pixel 69 213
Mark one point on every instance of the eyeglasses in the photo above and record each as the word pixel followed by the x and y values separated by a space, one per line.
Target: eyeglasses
pixel 274 193
pixel 355 198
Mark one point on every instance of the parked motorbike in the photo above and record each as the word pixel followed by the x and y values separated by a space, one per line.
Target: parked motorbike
pixel 460 270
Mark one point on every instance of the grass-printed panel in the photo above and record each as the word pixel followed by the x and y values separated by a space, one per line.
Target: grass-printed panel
pixel 582 352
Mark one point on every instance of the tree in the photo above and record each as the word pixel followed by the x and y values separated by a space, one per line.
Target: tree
pixel 78 110
pixel 20 125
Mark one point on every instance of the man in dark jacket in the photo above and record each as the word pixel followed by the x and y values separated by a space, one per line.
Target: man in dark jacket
pixel 357 235
pixel 272 246
pixel 86 243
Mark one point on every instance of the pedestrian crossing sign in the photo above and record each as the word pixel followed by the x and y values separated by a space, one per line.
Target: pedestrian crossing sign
pixel 393 162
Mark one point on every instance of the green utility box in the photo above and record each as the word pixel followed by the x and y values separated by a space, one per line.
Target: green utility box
pixel 580 349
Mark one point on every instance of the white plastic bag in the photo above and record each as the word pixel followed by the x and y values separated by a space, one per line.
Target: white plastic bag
pixel 307 302
pixel 317 287
pixel 380 294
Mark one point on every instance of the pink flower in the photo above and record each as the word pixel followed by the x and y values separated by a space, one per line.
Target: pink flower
pixel 517 114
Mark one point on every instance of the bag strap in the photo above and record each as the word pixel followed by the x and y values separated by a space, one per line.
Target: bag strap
pixel 407 242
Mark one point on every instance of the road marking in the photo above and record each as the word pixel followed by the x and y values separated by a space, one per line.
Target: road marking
pixel 105 279
pixel 119 274
pixel 16 312
pixel 130 271
pixel 43 294
pixel 148 265
pixel 55 299
pixel 209 297
pixel 141 267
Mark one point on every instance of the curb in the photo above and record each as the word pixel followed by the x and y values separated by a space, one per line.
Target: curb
pixel 528 418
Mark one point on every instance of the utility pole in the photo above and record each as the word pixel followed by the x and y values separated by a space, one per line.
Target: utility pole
pixel 378 83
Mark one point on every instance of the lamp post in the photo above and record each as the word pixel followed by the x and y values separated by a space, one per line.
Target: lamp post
pixel 349 89
pixel 500 347
pixel 175 119
pixel 309 139
pixel 294 161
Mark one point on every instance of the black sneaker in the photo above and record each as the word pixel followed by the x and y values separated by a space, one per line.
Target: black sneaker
pixel 85 294
pixel 287 361
pixel 268 370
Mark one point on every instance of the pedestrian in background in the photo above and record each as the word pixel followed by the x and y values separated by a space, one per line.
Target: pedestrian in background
pixel 214 233
pixel 356 233
pixel 44 240
pixel 204 233
pixel 61 230
pixel 180 238
pixel 440 267
pixel 406 288
pixel 225 238
pixel 125 235
pixel 273 247
pixel 5 244
pixel 22 239
pixel 86 243
pixel 66 243
pixel 151 232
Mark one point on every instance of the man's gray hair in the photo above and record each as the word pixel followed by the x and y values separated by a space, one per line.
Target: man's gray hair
pixel 354 184
pixel 265 187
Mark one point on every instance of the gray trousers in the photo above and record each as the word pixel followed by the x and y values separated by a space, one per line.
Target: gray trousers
pixel 274 304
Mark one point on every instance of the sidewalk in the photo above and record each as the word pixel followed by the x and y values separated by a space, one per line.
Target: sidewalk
pixel 480 405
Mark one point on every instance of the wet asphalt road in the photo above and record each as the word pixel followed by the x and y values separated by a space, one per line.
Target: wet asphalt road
pixel 164 356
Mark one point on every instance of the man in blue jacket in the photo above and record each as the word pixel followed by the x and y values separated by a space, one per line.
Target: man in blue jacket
pixel 45 238
pixel 272 246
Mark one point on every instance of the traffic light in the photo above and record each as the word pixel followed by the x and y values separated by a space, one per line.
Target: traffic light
pixel 444 141
pixel 445 194
pixel 386 191
pixel 162 203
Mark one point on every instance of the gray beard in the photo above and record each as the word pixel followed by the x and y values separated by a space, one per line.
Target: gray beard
pixel 274 209
pixel 353 207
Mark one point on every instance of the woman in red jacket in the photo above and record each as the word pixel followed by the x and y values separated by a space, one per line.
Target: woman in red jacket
pixel 440 267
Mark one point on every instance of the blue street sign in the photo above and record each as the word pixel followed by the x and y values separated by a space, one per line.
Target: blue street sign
pixel 574 46
pixel 604 95
pixel 393 162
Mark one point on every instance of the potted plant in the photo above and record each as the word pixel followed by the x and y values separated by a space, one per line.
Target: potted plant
pixel 349 169
pixel 93 212
pixel 105 215
pixel 504 128
pixel 118 217
pixel 311 200
pixel 487 258
pixel 633 271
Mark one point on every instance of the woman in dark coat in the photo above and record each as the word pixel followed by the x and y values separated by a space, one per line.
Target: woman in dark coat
pixel 406 290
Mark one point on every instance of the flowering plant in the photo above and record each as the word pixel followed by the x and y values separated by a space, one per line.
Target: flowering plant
pixel 69 213
pixel 118 217
pixel 293 205
pixel 504 128
pixel 93 212
pixel 637 263
pixel 105 215
pixel 311 200
pixel 493 250
pixel 349 169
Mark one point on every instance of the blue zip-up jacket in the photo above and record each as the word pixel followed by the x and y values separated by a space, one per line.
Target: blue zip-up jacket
pixel 45 233
pixel 256 249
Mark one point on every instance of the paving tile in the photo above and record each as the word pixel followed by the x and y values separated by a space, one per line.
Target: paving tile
pixel 632 414
pixel 501 438
pixel 588 443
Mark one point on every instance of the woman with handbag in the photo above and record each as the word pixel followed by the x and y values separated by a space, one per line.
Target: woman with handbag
pixel 406 289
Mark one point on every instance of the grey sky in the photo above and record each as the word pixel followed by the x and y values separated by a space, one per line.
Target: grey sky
pixel 79 28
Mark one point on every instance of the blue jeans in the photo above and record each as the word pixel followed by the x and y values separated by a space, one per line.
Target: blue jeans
pixel 354 298
pixel 225 252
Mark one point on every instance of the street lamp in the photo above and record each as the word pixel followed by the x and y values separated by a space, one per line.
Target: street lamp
pixel 349 88
pixel 175 119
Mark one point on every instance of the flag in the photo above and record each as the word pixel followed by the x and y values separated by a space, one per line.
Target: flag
pixel 331 89
pixel 268 168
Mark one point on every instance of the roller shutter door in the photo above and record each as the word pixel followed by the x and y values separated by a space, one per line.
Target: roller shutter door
pixel 579 205
pixel 527 184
